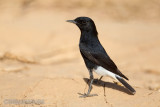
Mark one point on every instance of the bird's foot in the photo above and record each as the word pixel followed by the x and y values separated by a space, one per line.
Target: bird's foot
pixel 97 81
pixel 87 95
pixel 118 83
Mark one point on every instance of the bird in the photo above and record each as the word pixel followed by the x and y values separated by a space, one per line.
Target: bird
pixel 95 57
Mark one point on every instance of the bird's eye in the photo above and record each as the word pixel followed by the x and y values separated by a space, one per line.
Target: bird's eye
pixel 83 22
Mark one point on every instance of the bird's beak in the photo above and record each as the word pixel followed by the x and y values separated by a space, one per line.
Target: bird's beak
pixel 71 21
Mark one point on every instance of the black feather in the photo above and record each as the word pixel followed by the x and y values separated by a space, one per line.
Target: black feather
pixel 92 51
pixel 126 85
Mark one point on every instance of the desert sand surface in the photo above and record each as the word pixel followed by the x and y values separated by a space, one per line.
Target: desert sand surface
pixel 40 58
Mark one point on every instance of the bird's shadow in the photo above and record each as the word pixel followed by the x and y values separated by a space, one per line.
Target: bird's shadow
pixel 114 86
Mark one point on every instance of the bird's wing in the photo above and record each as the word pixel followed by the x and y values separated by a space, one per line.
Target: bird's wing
pixel 101 58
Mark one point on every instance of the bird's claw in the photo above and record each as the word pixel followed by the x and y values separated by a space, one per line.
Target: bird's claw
pixel 97 81
pixel 87 95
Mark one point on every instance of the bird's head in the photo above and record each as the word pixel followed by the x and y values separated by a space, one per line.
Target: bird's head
pixel 84 23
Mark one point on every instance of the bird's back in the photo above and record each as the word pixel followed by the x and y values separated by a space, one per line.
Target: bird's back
pixel 93 52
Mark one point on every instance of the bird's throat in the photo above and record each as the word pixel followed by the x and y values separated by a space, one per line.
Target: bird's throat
pixel 88 36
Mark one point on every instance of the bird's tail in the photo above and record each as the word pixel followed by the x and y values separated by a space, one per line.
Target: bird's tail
pixel 126 84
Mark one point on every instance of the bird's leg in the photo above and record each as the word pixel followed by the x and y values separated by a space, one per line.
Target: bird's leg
pixel 90 87
pixel 100 78
pixel 98 81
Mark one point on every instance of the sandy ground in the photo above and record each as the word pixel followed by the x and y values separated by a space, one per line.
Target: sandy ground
pixel 40 59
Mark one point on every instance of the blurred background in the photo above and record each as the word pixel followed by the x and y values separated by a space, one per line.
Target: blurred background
pixel 37 42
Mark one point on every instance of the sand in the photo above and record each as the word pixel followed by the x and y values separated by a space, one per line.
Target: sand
pixel 40 59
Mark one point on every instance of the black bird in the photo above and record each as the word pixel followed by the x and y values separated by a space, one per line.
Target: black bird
pixel 95 56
